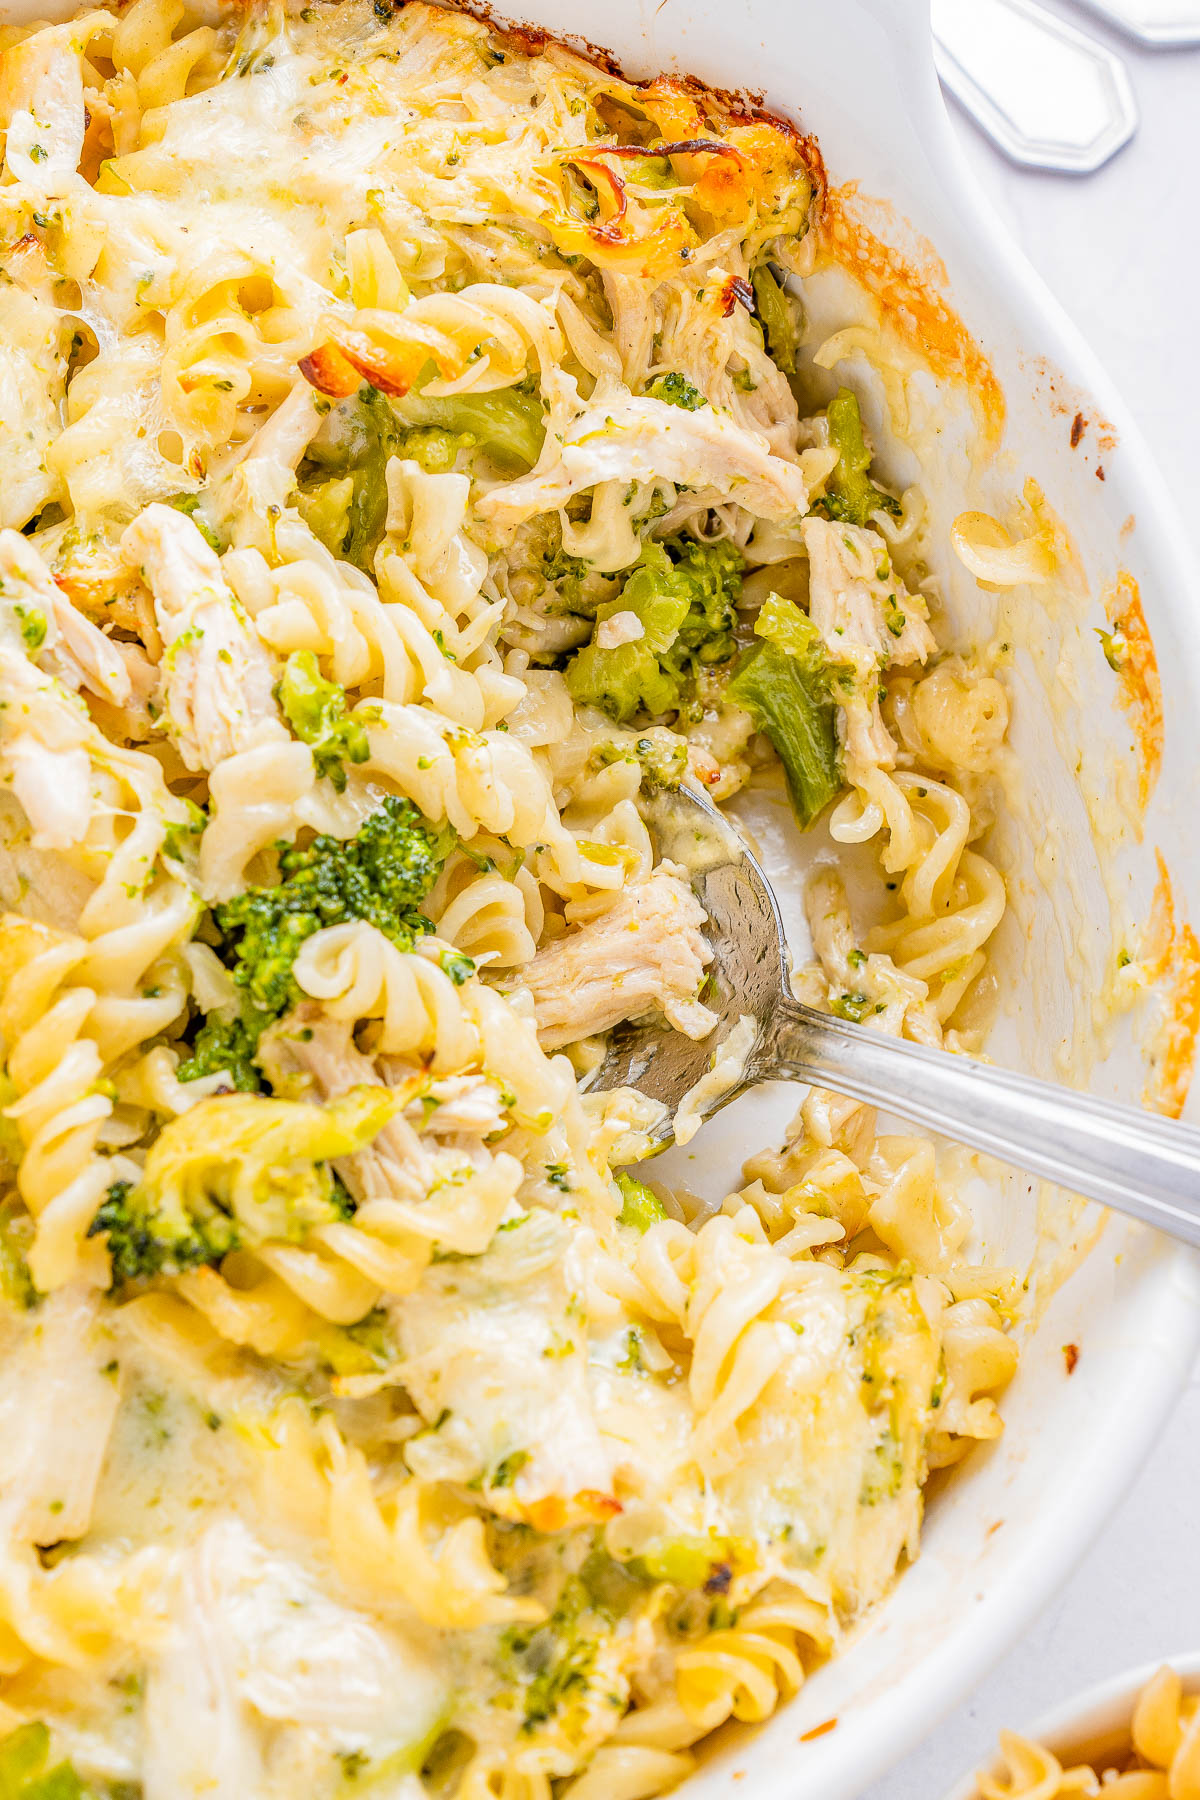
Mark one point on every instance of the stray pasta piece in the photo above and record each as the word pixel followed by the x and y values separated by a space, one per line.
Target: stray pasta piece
pixel 1160 1762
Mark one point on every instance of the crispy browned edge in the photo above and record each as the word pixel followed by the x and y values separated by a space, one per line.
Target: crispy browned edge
pixel 1172 956
pixel 1171 950
pixel 909 293
pixel 731 103
pixel 1139 688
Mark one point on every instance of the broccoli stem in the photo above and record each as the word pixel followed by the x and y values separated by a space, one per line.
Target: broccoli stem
pixel 850 493
pixel 507 423
pixel 778 316
pixel 792 705
pixel 367 512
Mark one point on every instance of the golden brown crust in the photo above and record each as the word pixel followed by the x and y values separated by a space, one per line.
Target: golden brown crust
pixel 911 299
pixel 1175 962
pixel 1139 689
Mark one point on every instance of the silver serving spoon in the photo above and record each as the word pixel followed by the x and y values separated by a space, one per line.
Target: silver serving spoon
pixel 1135 1161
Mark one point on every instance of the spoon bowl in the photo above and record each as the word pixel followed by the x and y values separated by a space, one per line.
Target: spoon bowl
pixel 1135 1161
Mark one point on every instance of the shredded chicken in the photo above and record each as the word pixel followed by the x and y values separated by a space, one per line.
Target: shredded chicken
pixel 897 1001
pixel 252 1637
pixel 867 619
pixel 199 1737
pixel 70 646
pixel 857 601
pixel 310 1055
pixel 621 628
pixel 217 675
pixel 625 437
pixel 466 1105
pixel 645 953
pixel 42 752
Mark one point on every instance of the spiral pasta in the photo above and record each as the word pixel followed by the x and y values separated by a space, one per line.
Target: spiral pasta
pixel 1162 1759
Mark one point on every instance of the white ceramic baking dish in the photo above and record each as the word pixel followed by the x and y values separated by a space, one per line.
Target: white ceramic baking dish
pixel 1004 1529
pixel 1093 1727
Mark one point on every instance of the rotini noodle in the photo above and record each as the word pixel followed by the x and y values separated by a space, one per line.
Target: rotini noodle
pixel 1162 1761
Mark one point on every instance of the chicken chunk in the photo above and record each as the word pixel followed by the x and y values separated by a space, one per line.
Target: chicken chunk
pixel 38 614
pixel 31 389
pixel 217 674
pixel 311 1056
pixel 45 752
pixel 626 437
pixel 42 104
pixel 857 602
pixel 645 953
pixel 867 619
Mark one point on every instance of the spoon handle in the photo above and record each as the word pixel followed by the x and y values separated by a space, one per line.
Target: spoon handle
pixel 1135 1161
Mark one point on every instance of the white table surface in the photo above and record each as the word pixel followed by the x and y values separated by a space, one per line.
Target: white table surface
pixel 1121 250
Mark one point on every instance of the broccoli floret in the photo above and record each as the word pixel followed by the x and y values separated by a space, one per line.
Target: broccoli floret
pixel 661 755
pixel 554 1661
pixel 664 763
pixel 581 588
pixel 225 1046
pixel 316 711
pixel 183 836
pixel 784 684
pixel 713 574
pixel 343 482
pixel 24 1754
pixel 780 318
pixel 568 572
pixel 628 678
pixel 507 423
pixel 850 493
pixel 236 1169
pixel 683 597
pixel 144 1241
pixel 676 390
pixel 381 875
pixel 640 1205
